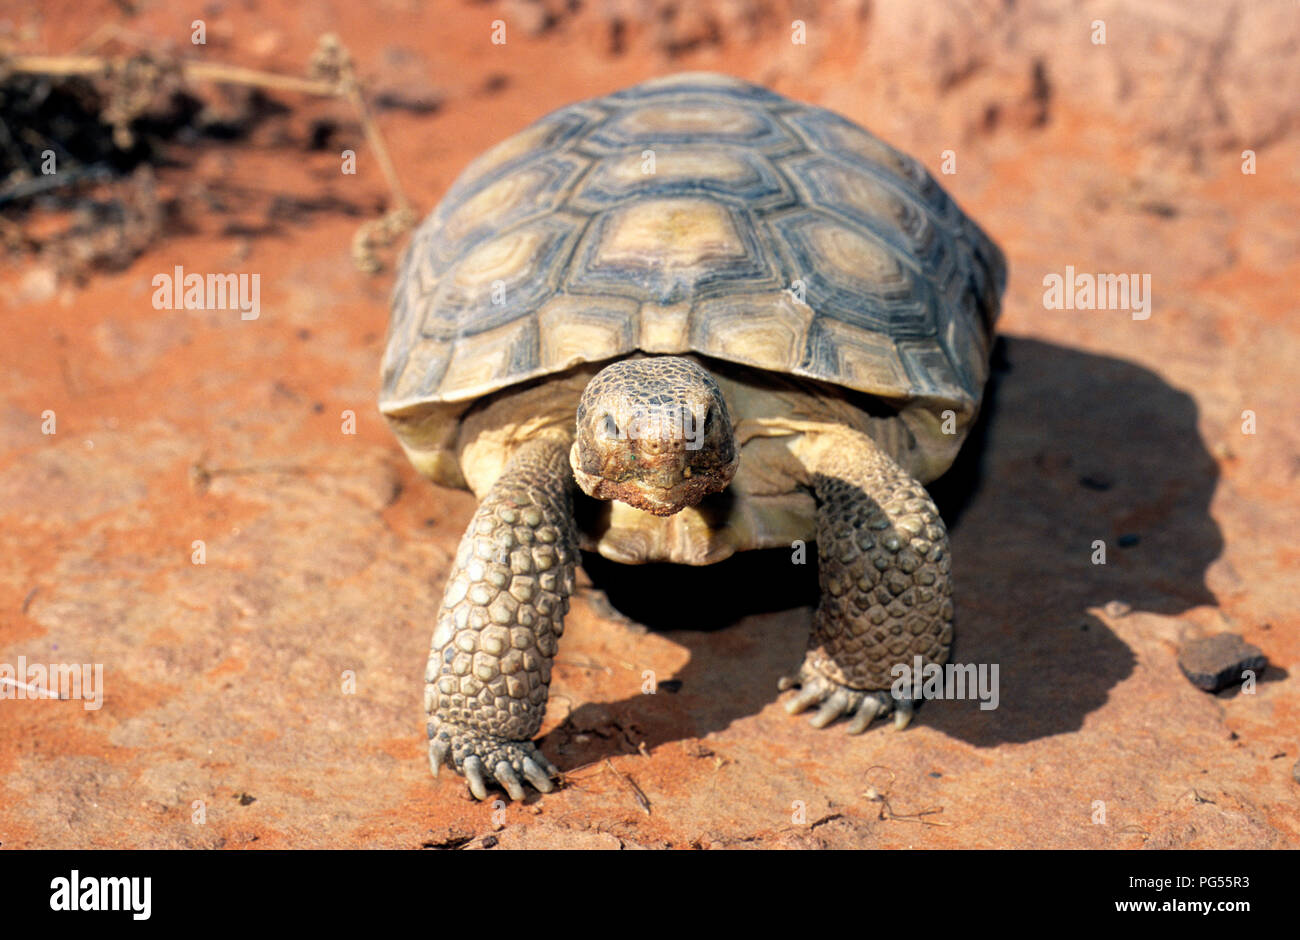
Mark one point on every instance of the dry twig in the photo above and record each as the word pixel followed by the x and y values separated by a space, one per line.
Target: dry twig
pixel 134 81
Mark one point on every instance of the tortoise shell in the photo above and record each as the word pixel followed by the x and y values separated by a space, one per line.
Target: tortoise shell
pixel 692 214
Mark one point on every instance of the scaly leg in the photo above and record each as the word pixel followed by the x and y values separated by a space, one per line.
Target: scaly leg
pixel 886 596
pixel 490 660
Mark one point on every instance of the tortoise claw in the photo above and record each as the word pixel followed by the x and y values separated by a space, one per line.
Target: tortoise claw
pixel 474 777
pixel 808 696
pixel 832 708
pixel 903 710
pixel 507 777
pixel 538 777
pixel 865 715
pixel 438 751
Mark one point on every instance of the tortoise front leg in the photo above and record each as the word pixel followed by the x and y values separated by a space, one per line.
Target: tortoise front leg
pixel 503 612
pixel 883 566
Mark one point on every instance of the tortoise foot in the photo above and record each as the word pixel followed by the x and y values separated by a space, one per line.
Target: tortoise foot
pixel 485 760
pixel 860 706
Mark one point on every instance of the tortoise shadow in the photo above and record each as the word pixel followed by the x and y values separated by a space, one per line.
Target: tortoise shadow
pixel 1071 448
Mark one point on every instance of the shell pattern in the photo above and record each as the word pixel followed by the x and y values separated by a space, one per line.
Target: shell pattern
pixel 698 213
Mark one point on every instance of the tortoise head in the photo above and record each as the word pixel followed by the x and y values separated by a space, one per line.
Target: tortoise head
pixel 653 433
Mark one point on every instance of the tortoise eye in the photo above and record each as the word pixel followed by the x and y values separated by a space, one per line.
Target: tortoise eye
pixel 611 427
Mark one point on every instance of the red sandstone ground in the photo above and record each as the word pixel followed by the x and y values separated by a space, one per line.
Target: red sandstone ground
pixel 326 553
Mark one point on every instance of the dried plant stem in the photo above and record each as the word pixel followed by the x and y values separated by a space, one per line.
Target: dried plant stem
pixel 92 65
pixel 337 80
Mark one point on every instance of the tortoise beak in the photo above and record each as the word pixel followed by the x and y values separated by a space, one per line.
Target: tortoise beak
pixel 661 491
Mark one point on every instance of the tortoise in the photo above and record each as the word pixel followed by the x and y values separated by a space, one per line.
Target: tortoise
pixel 687 319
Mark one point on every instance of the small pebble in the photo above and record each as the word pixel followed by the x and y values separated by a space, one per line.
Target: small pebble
pixel 1216 662
pixel 1116 609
